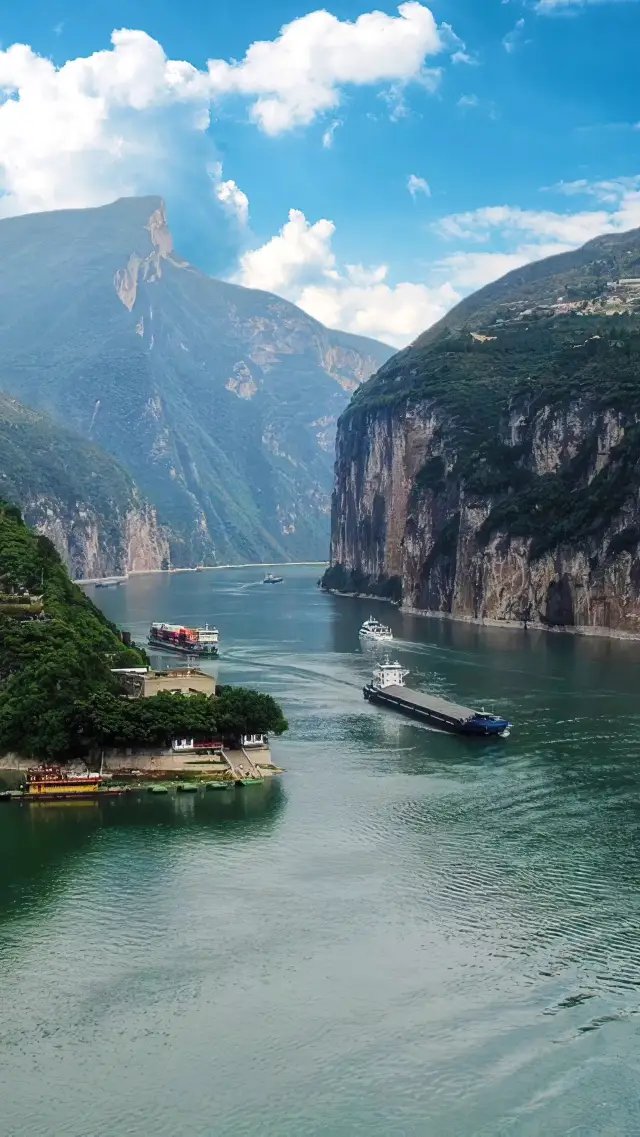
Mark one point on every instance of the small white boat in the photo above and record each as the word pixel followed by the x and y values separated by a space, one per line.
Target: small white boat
pixel 372 629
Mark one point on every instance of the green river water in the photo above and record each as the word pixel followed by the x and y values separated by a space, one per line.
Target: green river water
pixel 408 935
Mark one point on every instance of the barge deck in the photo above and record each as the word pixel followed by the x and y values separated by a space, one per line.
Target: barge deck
pixel 388 688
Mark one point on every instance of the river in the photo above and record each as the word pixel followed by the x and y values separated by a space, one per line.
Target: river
pixel 409 935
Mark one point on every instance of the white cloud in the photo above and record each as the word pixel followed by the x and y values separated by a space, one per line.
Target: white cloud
pixel 120 121
pixel 327 137
pixel 571 229
pixel 468 101
pixel 417 185
pixel 97 127
pixel 471 270
pixel 299 263
pixel 456 46
pixel 394 314
pixel 608 192
pixel 299 75
pixel 548 7
pixel 291 258
pixel 530 235
pixel 514 38
pixel 232 199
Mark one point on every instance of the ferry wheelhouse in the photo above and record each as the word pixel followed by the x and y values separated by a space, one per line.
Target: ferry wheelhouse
pixel 186 641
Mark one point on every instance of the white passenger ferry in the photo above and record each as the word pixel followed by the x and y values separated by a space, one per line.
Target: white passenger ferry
pixel 373 630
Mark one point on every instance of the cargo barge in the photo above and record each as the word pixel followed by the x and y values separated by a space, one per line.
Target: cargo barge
pixel 185 641
pixel 388 688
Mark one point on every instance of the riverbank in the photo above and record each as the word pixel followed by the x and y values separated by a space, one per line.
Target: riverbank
pixel 488 622
pixel 115 580
pixel 228 764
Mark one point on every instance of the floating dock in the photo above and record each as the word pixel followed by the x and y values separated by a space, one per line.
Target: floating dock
pixel 388 689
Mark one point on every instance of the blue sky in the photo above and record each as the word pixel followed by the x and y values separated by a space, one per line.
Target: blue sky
pixel 424 149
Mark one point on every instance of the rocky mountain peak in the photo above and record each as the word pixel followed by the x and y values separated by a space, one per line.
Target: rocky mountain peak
pixel 217 399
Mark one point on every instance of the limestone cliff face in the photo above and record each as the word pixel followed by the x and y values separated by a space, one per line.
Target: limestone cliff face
pixel 408 526
pixel 219 401
pixel 94 546
pixel 491 470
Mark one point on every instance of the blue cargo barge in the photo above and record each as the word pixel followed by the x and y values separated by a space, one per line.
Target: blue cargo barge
pixel 388 688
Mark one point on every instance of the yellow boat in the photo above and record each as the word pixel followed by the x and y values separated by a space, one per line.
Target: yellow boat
pixel 52 783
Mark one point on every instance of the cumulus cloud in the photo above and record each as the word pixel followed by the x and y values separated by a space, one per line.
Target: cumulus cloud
pixel 299 75
pixel 299 263
pixel 297 253
pixel 96 128
pixel 417 185
pixel 233 200
pixel 122 120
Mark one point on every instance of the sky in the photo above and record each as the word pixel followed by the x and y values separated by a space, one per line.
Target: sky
pixel 373 164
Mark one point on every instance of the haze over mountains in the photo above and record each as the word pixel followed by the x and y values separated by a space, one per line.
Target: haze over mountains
pixel 219 401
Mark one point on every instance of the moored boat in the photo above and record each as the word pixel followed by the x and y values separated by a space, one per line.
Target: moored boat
pixel 53 783
pixel 186 641
pixel 388 688
pixel 372 629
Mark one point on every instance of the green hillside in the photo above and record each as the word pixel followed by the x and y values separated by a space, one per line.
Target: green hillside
pixel 550 363
pixel 58 697
pixel 220 401
pixel 582 275
pixel 57 477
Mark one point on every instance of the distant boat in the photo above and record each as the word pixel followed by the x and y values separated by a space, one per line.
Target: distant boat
pixel 271 579
pixel 187 641
pixel 109 582
pixel 372 629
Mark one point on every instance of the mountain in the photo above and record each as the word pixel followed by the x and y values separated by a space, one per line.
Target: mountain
pixel 581 279
pixel 220 401
pixel 76 494
pixel 491 471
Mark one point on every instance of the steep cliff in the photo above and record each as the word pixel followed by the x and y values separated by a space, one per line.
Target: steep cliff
pixel 77 495
pixel 220 401
pixel 494 473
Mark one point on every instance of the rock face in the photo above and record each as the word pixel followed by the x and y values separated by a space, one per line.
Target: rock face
pixel 217 399
pixel 495 475
pixel 77 495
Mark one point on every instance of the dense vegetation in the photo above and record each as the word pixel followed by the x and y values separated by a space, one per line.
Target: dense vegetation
pixel 58 696
pixel 581 274
pixel 45 467
pixel 555 363
pixel 215 398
